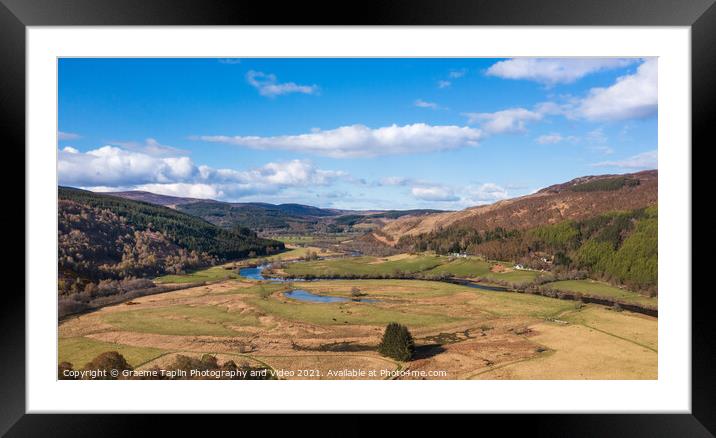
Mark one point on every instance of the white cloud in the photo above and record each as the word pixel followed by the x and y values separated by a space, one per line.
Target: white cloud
pixel 505 121
pixel 186 190
pixel 554 138
pixel 444 84
pixel 70 150
pixel 631 96
pixel 484 194
pixel 602 149
pixel 67 135
pixel 553 71
pixel 644 160
pixel 456 74
pixel 420 103
pixel 457 197
pixel 152 147
pixel 395 181
pixel 549 139
pixel 110 167
pixel 268 85
pixel 360 141
pixel 434 193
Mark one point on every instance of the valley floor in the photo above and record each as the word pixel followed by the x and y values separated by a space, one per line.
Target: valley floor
pixel 460 332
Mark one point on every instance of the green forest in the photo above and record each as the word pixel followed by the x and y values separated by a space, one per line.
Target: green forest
pixel 619 247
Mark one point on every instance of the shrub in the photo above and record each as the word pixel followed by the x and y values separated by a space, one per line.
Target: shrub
pixel 397 342
pixel 108 361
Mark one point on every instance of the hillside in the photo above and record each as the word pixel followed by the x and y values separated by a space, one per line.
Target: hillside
pixel 257 216
pixel 577 199
pixel 105 237
pixel 604 227
pixel 153 198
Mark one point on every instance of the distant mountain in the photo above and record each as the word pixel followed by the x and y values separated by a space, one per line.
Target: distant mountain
pixel 265 217
pixel 254 215
pixel 153 198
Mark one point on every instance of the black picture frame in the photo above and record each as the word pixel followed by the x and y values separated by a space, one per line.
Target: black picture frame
pixel 16 15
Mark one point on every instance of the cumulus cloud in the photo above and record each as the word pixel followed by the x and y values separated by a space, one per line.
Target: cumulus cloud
pixel 457 197
pixel 185 190
pixel 644 160
pixel 484 194
pixel 110 167
pixel 67 135
pixel 434 193
pixel 267 84
pixel 444 84
pixel 360 141
pixel 553 71
pixel 420 103
pixel 505 121
pixel 631 96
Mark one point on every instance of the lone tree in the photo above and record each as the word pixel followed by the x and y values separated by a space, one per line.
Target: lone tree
pixel 397 342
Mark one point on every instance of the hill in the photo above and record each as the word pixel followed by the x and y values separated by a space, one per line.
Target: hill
pixel 601 226
pixel 271 218
pixel 254 215
pixel 153 198
pixel 106 237
pixel 577 199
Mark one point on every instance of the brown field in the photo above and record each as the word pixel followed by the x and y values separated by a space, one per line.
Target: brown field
pixel 461 332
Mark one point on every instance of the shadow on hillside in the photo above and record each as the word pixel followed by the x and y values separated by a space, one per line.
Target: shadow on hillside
pixel 427 351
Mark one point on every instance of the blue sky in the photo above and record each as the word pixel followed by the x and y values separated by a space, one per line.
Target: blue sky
pixel 353 133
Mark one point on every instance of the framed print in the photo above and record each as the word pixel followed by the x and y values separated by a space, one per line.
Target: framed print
pixel 385 215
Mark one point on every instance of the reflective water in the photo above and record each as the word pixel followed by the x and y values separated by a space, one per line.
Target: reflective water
pixel 304 295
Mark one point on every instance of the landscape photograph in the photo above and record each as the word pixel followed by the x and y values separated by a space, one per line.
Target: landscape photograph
pixel 357 219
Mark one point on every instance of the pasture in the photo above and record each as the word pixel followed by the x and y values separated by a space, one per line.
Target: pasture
pixel 601 289
pixel 468 332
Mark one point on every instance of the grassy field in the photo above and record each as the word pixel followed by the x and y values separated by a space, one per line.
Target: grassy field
pixel 600 289
pixel 181 320
pixel 364 266
pixel 347 313
pixel 636 328
pixel 385 289
pixel 214 273
pixel 295 240
pixel 577 352
pixel 511 304
pixel 291 254
pixel 78 351
pixel 514 277
pixel 463 267
pixel 481 334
